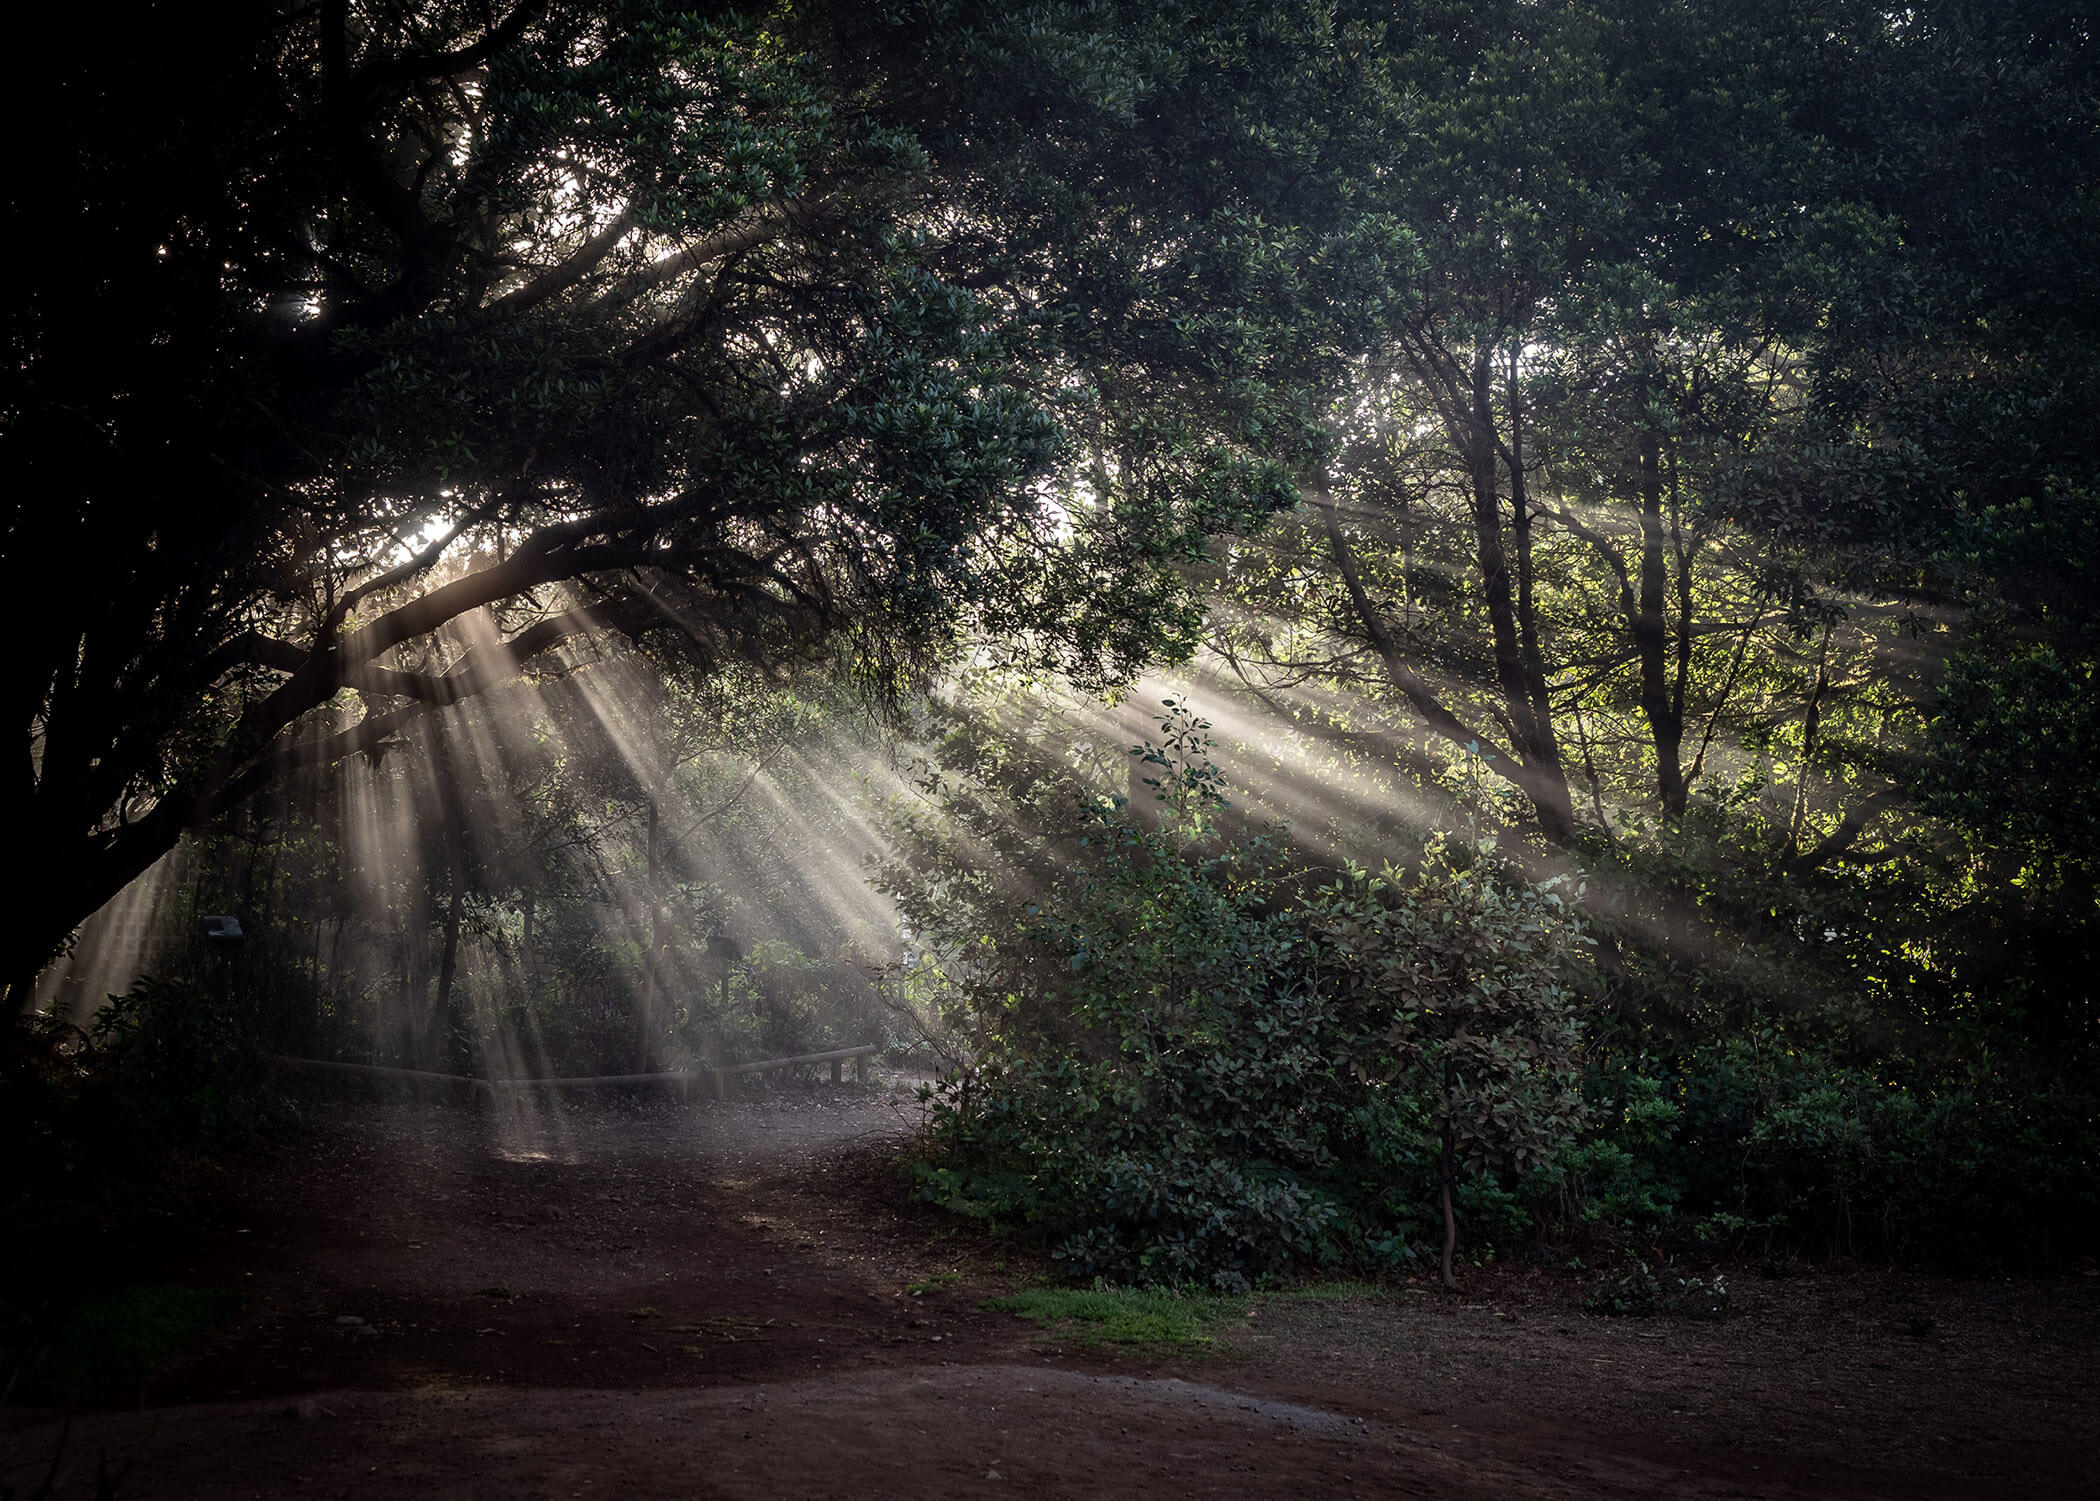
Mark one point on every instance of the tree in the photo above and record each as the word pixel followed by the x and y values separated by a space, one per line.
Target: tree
pixel 1476 980
pixel 393 346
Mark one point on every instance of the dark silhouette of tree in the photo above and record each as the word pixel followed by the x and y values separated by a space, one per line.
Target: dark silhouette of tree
pixel 374 351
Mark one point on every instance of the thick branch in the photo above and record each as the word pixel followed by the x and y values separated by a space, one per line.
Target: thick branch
pixel 475 672
pixel 1849 828
pixel 1412 686
pixel 558 279
pixel 412 69
pixel 1606 550
pixel 762 225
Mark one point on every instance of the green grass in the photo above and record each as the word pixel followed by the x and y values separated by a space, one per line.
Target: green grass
pixel 1335 1292
pixel 933 1284
pixel 1121 1315
pixel 111 1346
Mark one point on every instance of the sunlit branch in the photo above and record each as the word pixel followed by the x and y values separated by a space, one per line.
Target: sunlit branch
pixel 764 223
pixel 559 278
pixel 1850 827
pixel 1401 748
pixel 473 673
pixel 1606 549
pixel 1735 668
pixel 416 564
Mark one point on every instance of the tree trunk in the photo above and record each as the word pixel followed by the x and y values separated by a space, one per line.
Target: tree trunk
pixel 310 1022
pixel 1811 728
pixel 444 1020
pixel 1662 709
pixel 1544 744
pixel 1522 690
pixel 1544 791
pixel 1450 1216
pixel 21 988
pixel 529 898
pixel 447 1026
pixel 645 1019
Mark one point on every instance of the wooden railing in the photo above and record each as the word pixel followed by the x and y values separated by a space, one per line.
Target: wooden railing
pixel 715 1079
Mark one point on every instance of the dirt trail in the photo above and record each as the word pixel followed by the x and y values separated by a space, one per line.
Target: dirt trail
pixel 727 1301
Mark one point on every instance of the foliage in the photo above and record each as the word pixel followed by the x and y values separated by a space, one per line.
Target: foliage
pixel 164 1070
pixel 1189 1061
pixel 405 351
pixel 1753 1141
pixel 543 888
pixel 1179 1056
pixel 510 446
pixel 113 1344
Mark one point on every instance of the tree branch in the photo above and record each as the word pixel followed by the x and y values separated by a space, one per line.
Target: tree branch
pixel 474 673
pixel 1415 689
pixel 1606 550
pixel 1849 828
pixel 558 279
pixel 400 70
pixel 765 222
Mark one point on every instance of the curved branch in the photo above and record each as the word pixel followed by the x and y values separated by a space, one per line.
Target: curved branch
pixel 400 70
pixel 1413 687
pixel 763 224
pixel 475 672
pixel 1839 840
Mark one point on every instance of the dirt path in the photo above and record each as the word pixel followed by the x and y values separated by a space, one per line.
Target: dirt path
pixel 722 1301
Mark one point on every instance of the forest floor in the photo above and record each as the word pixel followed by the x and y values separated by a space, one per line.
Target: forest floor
pixel 733 1300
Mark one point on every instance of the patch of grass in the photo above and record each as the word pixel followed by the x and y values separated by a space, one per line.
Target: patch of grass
pixel 933 1284
pixel 641 1313
pixel 1121 1315
pixel 730 1329
pixel 1335 1292
pixel 111 1346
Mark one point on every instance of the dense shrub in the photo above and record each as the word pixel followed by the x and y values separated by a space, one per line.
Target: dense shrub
pixel 1179 1057
pixel 1759 1143
pixel 167 1067
pixel 1187 1062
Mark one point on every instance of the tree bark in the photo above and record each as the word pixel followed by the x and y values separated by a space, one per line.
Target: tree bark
pixel 645 1020
pixel 444 1024
pixel 1465 400
pixel 1523 690
pixel 1544 741
pixel 1663 710
pixel 1450 1216
pixel 447 1027
pixel 1412 686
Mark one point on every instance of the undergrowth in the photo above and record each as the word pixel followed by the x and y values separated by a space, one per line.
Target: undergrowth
pixel 112 1345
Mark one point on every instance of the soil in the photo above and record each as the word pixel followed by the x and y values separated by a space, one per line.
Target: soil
pixel 737 1300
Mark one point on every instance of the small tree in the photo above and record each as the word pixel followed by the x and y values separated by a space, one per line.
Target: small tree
pixel 1475 979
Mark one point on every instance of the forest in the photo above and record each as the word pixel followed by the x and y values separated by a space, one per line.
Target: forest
pixel 1386 641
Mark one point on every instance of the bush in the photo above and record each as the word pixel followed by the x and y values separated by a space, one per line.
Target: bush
pixel 1189 1063
pixel 1970 1163
pixel 111 1345
pixel 165 1068
pixel 1179 1058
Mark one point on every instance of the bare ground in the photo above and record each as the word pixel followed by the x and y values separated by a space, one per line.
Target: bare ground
pixel 731 1300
